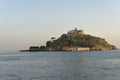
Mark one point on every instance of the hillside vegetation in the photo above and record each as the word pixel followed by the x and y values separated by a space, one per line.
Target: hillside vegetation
pixel 80 40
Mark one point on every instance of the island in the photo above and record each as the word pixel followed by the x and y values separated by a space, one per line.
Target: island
pixel 74 40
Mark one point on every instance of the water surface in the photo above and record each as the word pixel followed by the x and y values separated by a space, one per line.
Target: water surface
pixel 85 65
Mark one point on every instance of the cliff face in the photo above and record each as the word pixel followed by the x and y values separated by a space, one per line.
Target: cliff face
pixel 80 40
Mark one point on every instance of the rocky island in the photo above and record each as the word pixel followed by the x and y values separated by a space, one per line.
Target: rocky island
pixel 74 40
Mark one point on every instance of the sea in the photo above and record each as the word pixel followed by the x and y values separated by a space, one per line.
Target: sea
pixel 82 65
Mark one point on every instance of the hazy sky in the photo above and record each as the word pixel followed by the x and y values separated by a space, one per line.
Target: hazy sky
pixel 33 22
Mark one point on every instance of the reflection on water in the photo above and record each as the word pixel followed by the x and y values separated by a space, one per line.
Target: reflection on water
pixel 86 65
pixel 79 61
pixel 113 61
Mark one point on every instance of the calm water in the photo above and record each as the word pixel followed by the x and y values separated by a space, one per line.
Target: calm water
pixel 86 65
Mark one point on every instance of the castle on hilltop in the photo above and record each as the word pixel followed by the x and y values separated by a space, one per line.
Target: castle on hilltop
pixel 74 40
pixel 75 32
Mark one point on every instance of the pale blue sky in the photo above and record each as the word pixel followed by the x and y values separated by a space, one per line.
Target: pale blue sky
pixel 33 22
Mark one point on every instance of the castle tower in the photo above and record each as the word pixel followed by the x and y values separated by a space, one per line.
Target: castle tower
pixel 76 31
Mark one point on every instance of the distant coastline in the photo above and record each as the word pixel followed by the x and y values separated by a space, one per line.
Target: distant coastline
pixel 74 40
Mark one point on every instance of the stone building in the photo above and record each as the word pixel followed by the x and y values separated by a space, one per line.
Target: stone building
pixel 34 48
pixel 75 32
pixel 76 48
